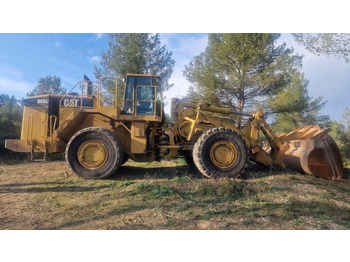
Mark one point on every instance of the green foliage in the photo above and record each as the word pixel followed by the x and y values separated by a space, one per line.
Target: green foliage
pixel 346 118
pixel 6 98
pixel 293 107
pixel 48 85
pixel 137 54
pixel 335 45
pixel 341 134
pixel 240 70
pixel 10 119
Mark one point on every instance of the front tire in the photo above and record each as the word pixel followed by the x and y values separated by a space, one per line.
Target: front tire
pixel 220 152
pixel 94 153
pixel 189 160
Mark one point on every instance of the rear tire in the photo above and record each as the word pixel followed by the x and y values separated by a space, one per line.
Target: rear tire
pixel 220 152
pixel 125 158
pixel 94 153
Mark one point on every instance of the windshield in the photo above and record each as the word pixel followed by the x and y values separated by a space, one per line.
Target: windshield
pixel 145 93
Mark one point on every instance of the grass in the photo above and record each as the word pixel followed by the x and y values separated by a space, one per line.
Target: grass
pixel 166 195
pixel 155 191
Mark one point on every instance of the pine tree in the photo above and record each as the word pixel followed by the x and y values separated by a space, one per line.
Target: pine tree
pixel 241 70
pixel 292 107
pixel 48 85
pixel 137 54
pixel 334 45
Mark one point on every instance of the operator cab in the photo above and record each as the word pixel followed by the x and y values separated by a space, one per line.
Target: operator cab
pixel 142 96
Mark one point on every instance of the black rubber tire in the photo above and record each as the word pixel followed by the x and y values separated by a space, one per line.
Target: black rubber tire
pixel 201 151
pixel 189 160
pixel 111 142
pixel 125 158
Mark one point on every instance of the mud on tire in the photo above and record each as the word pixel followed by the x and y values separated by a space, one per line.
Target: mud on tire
pixel 203 153
pixel 100 136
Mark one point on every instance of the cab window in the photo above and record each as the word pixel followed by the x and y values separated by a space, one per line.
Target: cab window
pixel 145 100
pixel 128 106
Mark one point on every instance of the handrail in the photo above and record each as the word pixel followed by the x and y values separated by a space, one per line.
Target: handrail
pixel 102 97
pixel 116 88
pixel 94 84
pixel 81 83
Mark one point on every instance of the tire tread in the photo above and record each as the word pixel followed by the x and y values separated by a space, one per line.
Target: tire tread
pixel 198 146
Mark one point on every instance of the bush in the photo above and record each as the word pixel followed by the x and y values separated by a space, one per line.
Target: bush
pixel 10 123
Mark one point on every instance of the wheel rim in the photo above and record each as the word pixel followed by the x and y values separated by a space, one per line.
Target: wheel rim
pixel 223 154
pixel 92 154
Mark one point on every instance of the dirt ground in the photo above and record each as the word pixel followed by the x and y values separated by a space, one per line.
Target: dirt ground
pixel 167 195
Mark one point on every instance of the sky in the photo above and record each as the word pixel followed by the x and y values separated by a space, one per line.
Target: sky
pixel 24 58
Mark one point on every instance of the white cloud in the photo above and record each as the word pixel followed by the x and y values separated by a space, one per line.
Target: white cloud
pixel 15 87
pixel 58 44
pixel 189 46
pixel 192 46
pixel 165 39
pixel 12 82
pixel 98 35
pixel 95 59
pixel 185 50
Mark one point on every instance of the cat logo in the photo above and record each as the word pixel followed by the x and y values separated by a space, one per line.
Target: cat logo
pixel 68 102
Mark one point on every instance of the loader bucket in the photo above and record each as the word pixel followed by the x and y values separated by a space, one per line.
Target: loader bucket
pixel 313 151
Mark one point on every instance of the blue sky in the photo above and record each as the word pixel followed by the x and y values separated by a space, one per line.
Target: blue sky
pixel 24 58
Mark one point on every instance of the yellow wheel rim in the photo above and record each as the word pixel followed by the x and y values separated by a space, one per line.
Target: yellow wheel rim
pixel 223 154
pixel 92 154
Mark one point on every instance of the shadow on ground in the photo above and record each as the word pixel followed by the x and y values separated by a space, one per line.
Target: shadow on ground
pixel 253 171
pixel 42 187
pixel 258 216
pixel 138 173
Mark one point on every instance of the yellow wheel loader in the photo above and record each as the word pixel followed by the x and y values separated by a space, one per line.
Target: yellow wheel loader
pixel 99 130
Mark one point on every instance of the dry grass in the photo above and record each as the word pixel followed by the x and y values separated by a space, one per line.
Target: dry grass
pixel 166 195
